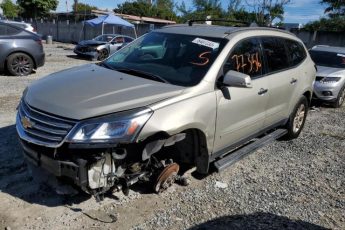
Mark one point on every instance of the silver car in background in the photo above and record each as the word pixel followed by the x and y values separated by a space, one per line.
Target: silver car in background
pixel 330 78
pixel 101 46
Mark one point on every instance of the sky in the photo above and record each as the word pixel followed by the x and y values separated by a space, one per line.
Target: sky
pixel 298 11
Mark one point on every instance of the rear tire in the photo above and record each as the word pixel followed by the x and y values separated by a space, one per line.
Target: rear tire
pixel 19 64
pixel 297 119
pixel 340 99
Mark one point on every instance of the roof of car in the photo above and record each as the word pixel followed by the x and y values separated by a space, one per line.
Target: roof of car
pixel 211 30
pixel 335 49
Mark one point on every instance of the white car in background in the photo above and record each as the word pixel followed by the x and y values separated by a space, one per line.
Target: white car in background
pixel 23 25
pixel 329 84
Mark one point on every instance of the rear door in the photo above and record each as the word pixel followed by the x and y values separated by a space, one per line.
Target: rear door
pixel 282 78
pixel 243 114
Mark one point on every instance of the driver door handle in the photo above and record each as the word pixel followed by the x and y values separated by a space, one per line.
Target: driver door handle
pixel 293 81
pixel 262 91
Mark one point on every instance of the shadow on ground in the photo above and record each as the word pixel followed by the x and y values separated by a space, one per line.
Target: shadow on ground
pixel 16 180
pixel 255 221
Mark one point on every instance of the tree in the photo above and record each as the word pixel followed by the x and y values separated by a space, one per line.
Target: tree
pixel 268 10
pixel 335 8
pixel 37 8
pixel 159 8
pixel 9 8
pixel 202 9
pixel 81 8
pixel 336 22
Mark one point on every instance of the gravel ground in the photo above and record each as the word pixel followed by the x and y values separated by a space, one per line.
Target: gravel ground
pixel 295 184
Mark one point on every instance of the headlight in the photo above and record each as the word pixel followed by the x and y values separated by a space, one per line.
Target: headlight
pixel 330 79
pixel 120 127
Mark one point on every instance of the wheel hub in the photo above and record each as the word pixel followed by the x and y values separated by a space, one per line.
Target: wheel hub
pixel 166 178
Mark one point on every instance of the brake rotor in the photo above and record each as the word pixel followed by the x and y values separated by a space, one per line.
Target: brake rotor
pixel 166 178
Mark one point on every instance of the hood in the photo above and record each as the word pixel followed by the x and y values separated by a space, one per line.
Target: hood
pixel 91 43
pixel 91 90
pixel 324 71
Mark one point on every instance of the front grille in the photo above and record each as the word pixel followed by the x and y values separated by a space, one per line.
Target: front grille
pixel 318 78
pixel 40 128
pixel 85 49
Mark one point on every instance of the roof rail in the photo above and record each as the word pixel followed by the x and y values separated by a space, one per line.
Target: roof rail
pixel 190 22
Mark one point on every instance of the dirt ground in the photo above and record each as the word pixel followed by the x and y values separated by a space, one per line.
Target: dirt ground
pixel 295 184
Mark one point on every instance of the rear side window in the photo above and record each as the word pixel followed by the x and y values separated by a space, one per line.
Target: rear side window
pixel 128 39
pixel 296 52
pixel 6 30
pixel 245 58
pixel 275 53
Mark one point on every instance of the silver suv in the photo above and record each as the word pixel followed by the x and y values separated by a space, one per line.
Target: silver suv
pixel 195 95
pixel 329 85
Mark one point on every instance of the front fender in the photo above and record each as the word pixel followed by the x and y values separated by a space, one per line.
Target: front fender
pixel 198 112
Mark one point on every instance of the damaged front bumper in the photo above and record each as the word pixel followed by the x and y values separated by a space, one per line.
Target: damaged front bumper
pixel 74 171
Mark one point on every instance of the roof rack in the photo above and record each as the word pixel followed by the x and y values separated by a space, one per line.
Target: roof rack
pixel 190 22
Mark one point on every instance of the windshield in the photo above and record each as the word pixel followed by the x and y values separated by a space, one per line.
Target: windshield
pixel 178 59
pixel 104 38
pixel 329 59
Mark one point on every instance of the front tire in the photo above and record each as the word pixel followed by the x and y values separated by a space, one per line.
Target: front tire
pixel 340 99
pixel 19 64
pixel 297 119
pixel 102 54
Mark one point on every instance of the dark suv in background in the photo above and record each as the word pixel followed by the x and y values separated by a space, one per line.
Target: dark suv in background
pixel 21 50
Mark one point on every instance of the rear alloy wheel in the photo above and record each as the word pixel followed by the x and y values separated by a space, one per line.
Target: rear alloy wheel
pixel 340 99
pixel 297 119
pixel 102 54
pixel 19 64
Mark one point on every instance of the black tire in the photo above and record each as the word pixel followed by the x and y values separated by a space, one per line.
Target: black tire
pixel 297 119
pixel 19 64
pixel 340 99
pixel 102 54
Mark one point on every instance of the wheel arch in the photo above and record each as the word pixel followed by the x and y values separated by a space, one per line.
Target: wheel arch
pixel 192 149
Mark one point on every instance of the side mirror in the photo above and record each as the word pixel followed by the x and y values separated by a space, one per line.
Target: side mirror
pixel 237 79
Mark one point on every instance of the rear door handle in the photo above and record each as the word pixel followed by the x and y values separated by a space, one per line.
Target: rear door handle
pixel 293 81
pixel 262 91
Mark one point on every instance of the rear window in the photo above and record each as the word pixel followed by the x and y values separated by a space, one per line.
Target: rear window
pixel 274 50
pixel 296 52
pixel 329 59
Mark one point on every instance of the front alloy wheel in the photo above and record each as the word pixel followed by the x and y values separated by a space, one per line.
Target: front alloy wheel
pixel 102 54
pixel 341 98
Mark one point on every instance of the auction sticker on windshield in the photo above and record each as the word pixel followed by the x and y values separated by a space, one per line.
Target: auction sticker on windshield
pixel 207 43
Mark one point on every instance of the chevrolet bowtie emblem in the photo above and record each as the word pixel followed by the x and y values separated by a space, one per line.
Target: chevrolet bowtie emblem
pixel 27 123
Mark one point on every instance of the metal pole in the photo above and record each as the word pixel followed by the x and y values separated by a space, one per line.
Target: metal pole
pixel 102 27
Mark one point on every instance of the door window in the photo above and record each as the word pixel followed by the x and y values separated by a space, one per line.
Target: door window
pixel 245 58
pixel 275 53
pixel 296 52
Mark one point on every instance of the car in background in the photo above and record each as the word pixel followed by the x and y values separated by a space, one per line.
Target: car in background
pixel 21 50
pixel 101 46
pixel 329 84
pixel 23 25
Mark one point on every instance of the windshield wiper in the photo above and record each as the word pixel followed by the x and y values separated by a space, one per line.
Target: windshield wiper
pixel 142 74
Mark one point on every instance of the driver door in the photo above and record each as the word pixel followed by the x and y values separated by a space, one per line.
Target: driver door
pixel 244 113
pixel 116 44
